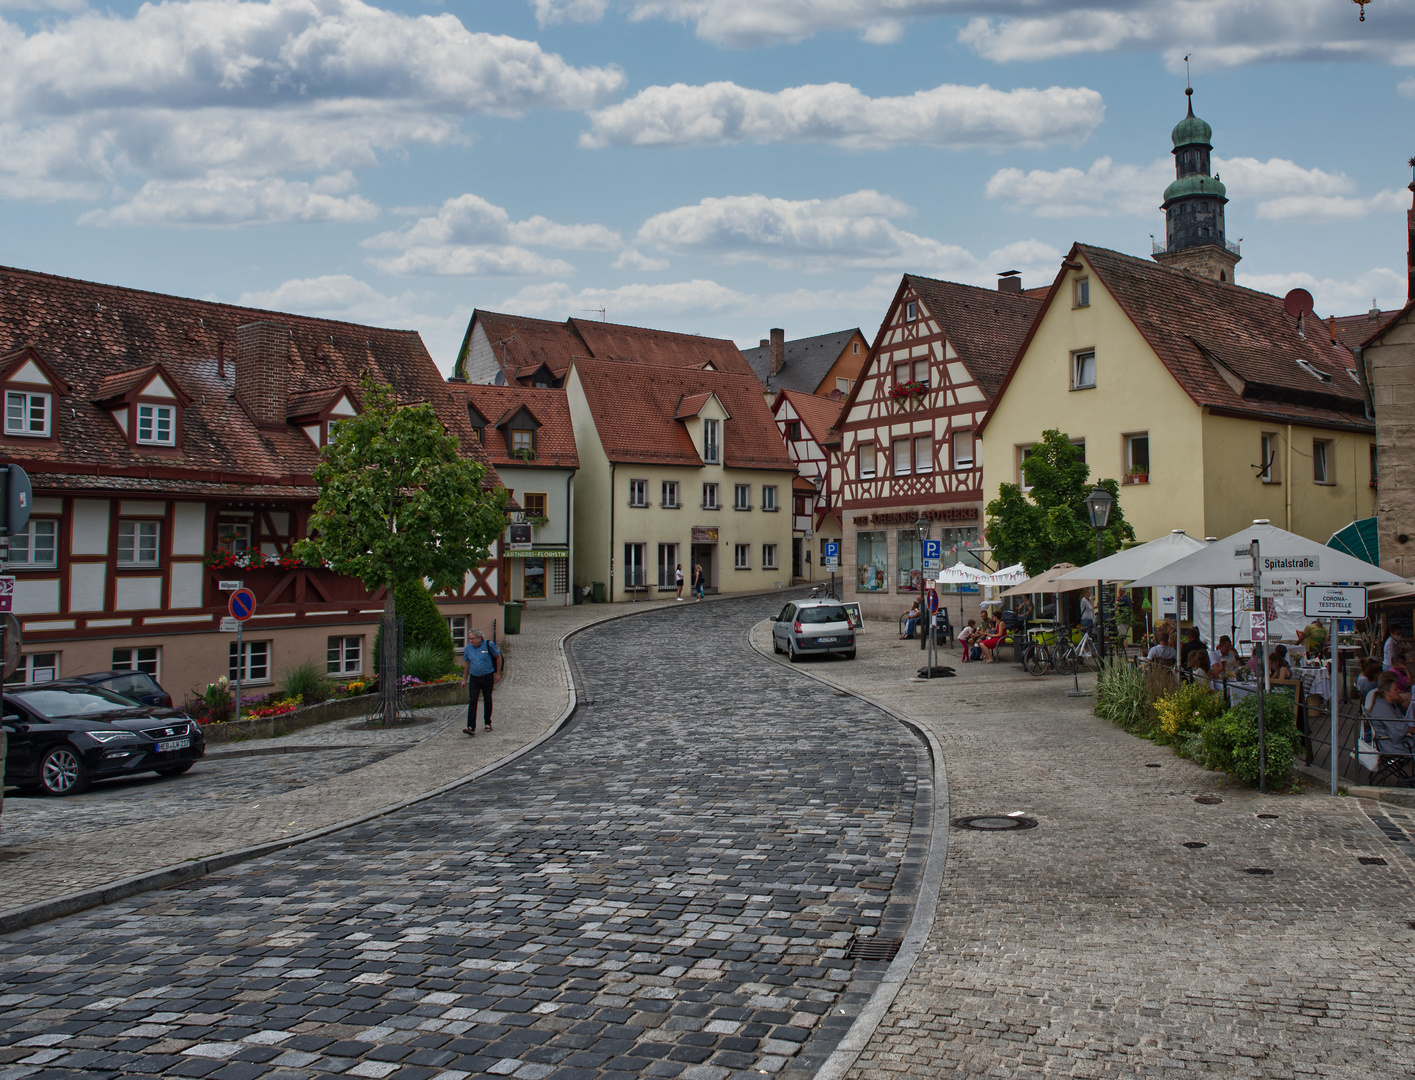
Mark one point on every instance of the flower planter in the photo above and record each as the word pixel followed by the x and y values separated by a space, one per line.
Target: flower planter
pixel 1137 478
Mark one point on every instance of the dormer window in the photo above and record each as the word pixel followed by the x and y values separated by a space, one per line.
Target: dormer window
pixel 28 414
pixel 522 441
pixel 157 425
pixel 712 449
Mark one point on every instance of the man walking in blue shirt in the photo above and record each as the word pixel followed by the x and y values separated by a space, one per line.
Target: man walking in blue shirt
pixel 481 660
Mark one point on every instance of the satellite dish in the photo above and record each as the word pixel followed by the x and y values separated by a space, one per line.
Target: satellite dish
pixel 1298 302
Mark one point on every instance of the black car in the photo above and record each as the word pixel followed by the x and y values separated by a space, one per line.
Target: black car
pixel 138 685
pixel 60 737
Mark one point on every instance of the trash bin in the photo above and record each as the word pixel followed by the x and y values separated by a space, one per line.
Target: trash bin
pixel 598 588
pixel 513 617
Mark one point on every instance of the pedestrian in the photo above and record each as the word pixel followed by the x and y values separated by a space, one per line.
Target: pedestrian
pixel 678 580
pixel 481 661
pixel 1392 648
pixel 1088 612
pixel 699 581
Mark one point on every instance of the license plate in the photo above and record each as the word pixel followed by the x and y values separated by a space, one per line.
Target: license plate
pixel 826 640
pixel 173 744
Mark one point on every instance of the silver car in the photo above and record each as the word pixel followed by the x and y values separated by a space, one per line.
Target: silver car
pixel 813 626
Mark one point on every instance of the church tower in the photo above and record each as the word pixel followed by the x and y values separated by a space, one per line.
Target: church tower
pixel 1193 206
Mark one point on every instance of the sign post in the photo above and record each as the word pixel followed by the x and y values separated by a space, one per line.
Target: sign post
pixel 832 562
pixel 242 607
pixel 16 495
pixel 1260 625
pixel 1334 602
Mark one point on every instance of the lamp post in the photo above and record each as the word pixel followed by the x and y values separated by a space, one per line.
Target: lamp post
pixel 1098 504
pixel 922 528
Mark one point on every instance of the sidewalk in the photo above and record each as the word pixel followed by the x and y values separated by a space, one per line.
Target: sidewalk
pixel 237 797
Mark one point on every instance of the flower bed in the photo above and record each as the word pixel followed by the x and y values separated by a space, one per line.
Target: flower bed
pixel 251 559
pixel 426 696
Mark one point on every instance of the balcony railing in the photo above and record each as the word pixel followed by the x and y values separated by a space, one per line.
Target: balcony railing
pixel 1160 247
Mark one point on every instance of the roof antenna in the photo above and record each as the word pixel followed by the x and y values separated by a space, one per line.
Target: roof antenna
pixel 602 314
pixel 503 343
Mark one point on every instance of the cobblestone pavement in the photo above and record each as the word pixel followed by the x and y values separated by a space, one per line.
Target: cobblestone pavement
pixel 1098 944
pixel 668 889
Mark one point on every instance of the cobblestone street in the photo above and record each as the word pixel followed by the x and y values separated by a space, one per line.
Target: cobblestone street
pixel 669 888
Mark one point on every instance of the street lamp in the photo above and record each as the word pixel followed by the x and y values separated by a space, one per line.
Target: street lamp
pixel 1098 504
pixel 922 527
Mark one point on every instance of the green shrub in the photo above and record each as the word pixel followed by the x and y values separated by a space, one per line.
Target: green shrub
pixel 1121 697
pixel 423 624
pixel 1181 714
pixel 1231 740
pixel 1193 749
pixel 427 662
pixel 307 682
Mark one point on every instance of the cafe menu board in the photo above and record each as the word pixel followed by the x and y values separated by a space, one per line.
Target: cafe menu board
pixel 857 620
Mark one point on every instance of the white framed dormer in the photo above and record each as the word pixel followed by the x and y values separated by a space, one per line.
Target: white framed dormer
pixel 318 412
pixel 30 393
pixel 146 404
pixel 705 417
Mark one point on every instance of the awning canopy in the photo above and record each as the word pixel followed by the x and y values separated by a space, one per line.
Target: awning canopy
pixel 1138 561
pixel 1047 582
pixel 1284 555
pixel 1360 538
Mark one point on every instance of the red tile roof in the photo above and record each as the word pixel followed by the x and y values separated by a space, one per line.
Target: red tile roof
pixel 692 405
pixel 1353 330
pixel 99 337
pixel 984 326
pixel 555 438
pixel 1232 349
pixel 820 415
pixel 527 344
pixel 635 413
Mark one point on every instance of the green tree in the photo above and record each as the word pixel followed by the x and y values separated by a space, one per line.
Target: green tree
pixel 399 503
pixel 1048 524
pixel 423 624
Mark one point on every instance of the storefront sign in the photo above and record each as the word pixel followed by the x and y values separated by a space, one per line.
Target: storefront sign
pixel 704 534
pixel 539 553
pixel 1334 602
pixel 952 513
pixel 520 536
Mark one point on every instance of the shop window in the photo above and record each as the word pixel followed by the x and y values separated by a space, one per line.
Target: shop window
pixel 533 579
pixel 871 561
pixel 910 571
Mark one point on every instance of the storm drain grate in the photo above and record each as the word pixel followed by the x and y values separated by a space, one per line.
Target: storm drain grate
pixel 1259 871
pixel 1195 844
pixel 874 948
pixel 1208 800
pixel 198 883
pixel 1371 860
pixel 995 822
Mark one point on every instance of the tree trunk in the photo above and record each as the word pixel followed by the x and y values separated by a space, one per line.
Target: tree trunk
pixel 388 688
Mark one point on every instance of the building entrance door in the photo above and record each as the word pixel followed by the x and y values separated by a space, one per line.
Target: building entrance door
pixel 796 545
pixel 705 555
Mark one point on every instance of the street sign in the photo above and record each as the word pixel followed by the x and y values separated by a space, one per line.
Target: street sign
pixel 7 594
pixel 832 554
pixel 230 625
pixel 242 604
pixel 1332 601
pixel 933 554
pixel 230 586
pixel 1284 588
pixel 1258 621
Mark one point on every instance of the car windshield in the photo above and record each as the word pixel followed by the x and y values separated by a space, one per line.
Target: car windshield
pixel 74 701
pixel 829 613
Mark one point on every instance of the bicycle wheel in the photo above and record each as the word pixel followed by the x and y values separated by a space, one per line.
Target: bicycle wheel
pixel 1086 657
pixel 1036 659
pixel 1064 658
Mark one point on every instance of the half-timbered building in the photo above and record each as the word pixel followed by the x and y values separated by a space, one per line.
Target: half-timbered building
pixel 908 444
pixel 808 425
pixel 169 441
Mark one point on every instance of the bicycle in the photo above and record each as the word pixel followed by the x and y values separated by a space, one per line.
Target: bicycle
pixel 1039 657
pixel 823 591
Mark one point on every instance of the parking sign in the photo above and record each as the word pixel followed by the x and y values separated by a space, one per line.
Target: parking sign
pixel 933 554
pixel 832 554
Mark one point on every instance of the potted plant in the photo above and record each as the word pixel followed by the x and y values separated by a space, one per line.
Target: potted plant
pixel 908 394
pixel 538 520
pixel 525 453
pixel 1123 616
pixel 1136 476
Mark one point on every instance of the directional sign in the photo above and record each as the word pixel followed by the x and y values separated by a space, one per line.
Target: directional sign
pixel 7 594
pixel 1328 601
pixel 1259 623
pixel 230 625
pixel 242 604
pixel 229 586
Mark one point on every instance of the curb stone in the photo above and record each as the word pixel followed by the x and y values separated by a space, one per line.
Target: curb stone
pixel 857 1037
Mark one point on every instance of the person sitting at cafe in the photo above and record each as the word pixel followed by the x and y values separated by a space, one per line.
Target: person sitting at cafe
pixel 911 620
pixel 1370 675
pixel 992 641
pixel 1192 645
pixel 1225 660
pixel 1401 671
pixel 1198 663
pixel 1278 667
pixel 1162 652
pixel 1392 648
pixel 1024 609
pixel 1387 710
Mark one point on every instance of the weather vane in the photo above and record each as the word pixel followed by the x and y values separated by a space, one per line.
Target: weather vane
pixel 1363 4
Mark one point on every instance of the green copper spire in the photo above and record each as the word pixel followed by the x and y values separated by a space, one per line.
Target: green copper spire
pixel 1191 129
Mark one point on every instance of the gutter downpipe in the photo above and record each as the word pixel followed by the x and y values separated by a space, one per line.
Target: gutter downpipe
pixel 1288 478
pixel 613 499
pixel 570 536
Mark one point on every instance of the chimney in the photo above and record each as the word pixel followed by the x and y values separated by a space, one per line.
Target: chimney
pixel 1375 313
pixel 1009 281
pixel 778 350
pixel 262 370
pixel 765 343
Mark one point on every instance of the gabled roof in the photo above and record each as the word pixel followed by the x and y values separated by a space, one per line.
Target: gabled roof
pixel 117 387
pixel 309 404
pixel 820 415
pixel 984 326
pixel 693 405
pixel 525 343
pixel 12 366
pixel 1378 329
pixel 635 414
pixel 1353 330
pixel 806 362
pixel 100 336
pixel 1231 349
pixel 555 438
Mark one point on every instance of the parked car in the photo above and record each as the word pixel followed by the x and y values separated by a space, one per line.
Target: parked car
pixel 62 737
pixel 138 685
pixel 813 626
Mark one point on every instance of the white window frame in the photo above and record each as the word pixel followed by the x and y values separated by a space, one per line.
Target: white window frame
pixel 844 385
pixel 1023 453
pixel 638 493
pixel 923 463
pixel 741 496
pixel 921 371
pixel 871 451
pixel 1130 451
pixel 529 440
pixel 32 664
pixel 903 372
pixel 457 626
pixel 741 556
pixel 963 460
pixel 634 556
pixel 249 650
pixel 1078 369
pixel 1081 296
pixel 239 536
pixel 669 492
pixel 23 423
pixel 344 655
pixel 1268 447
pixel 712 442
pixel 769 557
pixel 1323 454
pixel 23 545
pixel 901 462
pixel 911 311
pixel 769 504
pixel 130 536
pixel 710 501
pixel 131 659
pixel 666 567
pixel 150 418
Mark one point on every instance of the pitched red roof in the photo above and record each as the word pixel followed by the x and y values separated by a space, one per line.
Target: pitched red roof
pixel 984 326
pixel 692 405
pixel 555 438
pixel 101 337
pixel 820 415
pixel 635 414
pixel 660 348
pixel 1231 349
pixel 527 344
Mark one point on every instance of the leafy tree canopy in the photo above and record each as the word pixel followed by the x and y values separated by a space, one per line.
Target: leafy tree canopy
pixel 1049 524
pixel 397 500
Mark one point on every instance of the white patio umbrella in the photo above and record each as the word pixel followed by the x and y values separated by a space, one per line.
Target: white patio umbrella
pixel 1008 575
pixel 1138 561
pixel 1048 582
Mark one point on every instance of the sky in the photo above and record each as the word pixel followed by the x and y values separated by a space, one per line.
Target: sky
pixel 706 166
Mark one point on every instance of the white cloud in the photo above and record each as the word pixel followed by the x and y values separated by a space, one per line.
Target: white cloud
pixel 248 88
pixel 679 298
pixel 1336 297
pixel 1407 87
pixel 633 259
pixel 549 12
pixel 229 201
pixel 1331 207
pixel 855 231
pixel 469 236
pixel 951 116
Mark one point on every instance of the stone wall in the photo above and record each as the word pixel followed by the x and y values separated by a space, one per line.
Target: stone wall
pixel 1391 368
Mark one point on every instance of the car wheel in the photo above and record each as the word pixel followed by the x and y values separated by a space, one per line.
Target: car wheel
pixel 791 653
pixel 176 770
pixel 849 655
pixel 62 772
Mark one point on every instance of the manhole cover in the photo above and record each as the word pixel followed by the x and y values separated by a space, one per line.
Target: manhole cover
pixel 1371 860
pixel 994 823
pixel 1195 844
pixel 6 856
pixel 1152 765
pixel 1256 870
pixel 1208 800
pixel 874 948
pixel 1267 815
